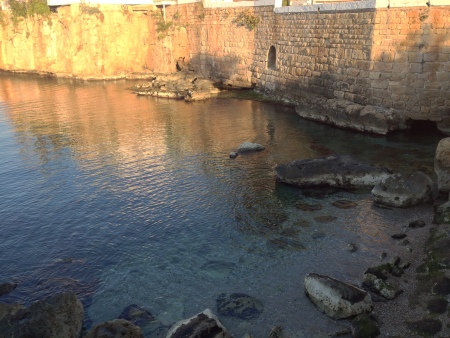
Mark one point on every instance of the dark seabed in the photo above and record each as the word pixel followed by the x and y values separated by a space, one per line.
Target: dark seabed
pixel 124 199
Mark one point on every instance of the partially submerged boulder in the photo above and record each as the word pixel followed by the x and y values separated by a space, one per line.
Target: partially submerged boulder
pixel 442 164
pixel 337 170
pixel 117 328
pixel 239 305
pixel 337 299
pixel 58 316
pixel 248 146
pixel 404 190
pixel 204 324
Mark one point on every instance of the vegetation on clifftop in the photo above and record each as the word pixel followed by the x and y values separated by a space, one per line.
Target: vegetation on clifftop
pixel 22 10
pixel 247 19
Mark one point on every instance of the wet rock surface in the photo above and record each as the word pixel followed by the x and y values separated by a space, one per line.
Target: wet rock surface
pixel 249 146
pixel 58 316
pixel 239 305
pixel 144 319
pixel 337 299
pixel 205 324
pixel 118 328
pixel 403 190
pixel 336 171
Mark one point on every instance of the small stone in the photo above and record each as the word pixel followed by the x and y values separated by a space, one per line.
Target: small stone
pixel 426 326
pixel 248 146
pixel 380 271
pixel 383 255
pixel 344 204
pixel 437 305
pixel 233 154
pixel 399 235
pixel 404 266
pixel 351 247
pixel 7 288
pixel 417 223
pixel 397 272
pixel 308 206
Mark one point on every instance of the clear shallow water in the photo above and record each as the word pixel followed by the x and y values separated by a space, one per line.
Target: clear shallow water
pixel 134 200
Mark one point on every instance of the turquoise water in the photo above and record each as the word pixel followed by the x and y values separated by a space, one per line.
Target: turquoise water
pixel 125 199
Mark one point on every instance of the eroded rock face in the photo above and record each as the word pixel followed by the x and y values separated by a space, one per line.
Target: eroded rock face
pixel 58 316
pixel 349 115
pixel 404 190
pixel 337 299
pixel 117 328
pixel 205 324
pixel 336 171
pixel 442 164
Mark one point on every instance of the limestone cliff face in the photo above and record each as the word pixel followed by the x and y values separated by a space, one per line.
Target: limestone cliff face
pixel 97 42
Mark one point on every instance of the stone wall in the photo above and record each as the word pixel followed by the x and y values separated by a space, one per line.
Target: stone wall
pixel 396 58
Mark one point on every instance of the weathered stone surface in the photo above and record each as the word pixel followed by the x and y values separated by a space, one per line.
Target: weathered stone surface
pixel 248 146
pixel 350 115
pixel 337 171
pixel 442 214
pixel 58 316
pixel 117 328
pixel 404 190
pixel 380 287
pixel 239 305
pixel 8 309
pixel 205 324
pixel 442 164
pixel 337 299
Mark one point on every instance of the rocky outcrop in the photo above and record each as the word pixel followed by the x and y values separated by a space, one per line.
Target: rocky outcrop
pixel 205 324
pixel 442 164
pixel 350 115
pixel 337 299
pixel 403 190
pixel 9 309
pixel 182 85
pixel 239 305
pixel 117 328
pixel 248 146
pixel 58 316
pixel 336 170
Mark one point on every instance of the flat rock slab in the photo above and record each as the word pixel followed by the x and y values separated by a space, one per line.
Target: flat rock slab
pixel 239 305
pixel 205 324
pixel 337 171
pixel 403 190
pixel 337 299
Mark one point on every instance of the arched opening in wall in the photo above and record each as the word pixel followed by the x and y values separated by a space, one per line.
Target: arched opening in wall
pixel 423 127
pixel 272 58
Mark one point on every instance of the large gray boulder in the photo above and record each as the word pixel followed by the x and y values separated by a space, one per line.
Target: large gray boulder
pixel 59 316
pixel 404 190
pixel 117 328
pixel 442 164
pixel 337 299
pixel 337 170
pixel 205 324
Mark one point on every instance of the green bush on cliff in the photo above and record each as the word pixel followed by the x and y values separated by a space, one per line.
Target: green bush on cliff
pixel 247 19
pixel 21 10
pixel 2 18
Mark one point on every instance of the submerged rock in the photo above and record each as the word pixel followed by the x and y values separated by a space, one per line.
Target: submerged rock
pixel 336 171
pixel 364 326
pixel 117 328
pixel 442 164
pixel 381 287
pixel 239 305
pixel 58 316
pixel 142 318
pixel 337 299
pixel 7 288
pixel 403 190
pixel 205 324
pixel 308 206
pixel 344 204
pixel 426 327
pixel 217 269
pixel 248 146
